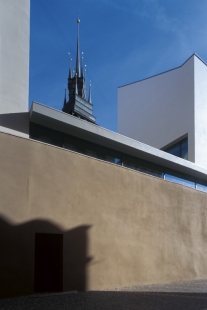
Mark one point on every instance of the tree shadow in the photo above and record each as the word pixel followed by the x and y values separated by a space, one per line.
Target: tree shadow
pixel 17 259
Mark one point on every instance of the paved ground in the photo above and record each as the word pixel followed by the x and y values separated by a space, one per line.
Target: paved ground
pixel 175 296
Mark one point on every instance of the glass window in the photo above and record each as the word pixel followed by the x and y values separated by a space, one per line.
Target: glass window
pixel 201 185
pixel 130 163
pixel 142 166
pixel 179 178
pixel 117 161
pixel 91 153
pixel 69 146
pixel 184 149
pixel 151 171
pixel 174 150
pixel 113 158
pixel 110 159
pixel 57 140
pixel 44 139
pixel 179 149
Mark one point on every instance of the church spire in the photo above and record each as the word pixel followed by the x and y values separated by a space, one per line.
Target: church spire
pixel 64 104
pixel 78 51
pixel 77 104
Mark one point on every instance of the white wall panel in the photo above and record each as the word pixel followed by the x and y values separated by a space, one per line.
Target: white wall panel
pixel 200 113
pixel 14 60
pixel 160 109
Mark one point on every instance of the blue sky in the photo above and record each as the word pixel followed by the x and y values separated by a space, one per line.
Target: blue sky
pixel 123 41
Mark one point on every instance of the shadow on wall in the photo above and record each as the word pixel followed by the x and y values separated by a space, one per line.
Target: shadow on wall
pixel 38 257
pixel 16 121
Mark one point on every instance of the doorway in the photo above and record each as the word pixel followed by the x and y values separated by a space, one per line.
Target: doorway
pixel 48 270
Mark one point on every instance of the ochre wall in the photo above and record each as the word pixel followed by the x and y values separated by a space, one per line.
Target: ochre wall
pixel 120 227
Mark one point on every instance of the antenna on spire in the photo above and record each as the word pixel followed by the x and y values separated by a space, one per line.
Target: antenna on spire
pixel 89 94
pixel 78 49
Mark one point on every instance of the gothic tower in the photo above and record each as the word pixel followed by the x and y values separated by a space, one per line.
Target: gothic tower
pixel 77 104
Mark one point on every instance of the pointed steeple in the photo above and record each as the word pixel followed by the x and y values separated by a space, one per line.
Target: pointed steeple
pixel 78 104
pixel 89 94
pixel 78 51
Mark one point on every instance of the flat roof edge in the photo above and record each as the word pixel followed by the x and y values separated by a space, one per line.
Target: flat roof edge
pixel 152 76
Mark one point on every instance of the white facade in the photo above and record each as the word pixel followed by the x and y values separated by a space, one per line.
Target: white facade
pixel 200 112
pixel 163 109
pixel 14 65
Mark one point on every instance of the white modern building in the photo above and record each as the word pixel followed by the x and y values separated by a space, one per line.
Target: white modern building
pixel 14 66
pixel 169 111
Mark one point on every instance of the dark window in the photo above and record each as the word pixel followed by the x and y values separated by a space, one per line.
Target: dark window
pixel 184 149
pixel 179 149
pixel 201 185
pixel 142 166
pixel 180 178
pixel 74 144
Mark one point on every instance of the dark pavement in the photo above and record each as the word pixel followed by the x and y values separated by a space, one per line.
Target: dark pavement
pixel 180 296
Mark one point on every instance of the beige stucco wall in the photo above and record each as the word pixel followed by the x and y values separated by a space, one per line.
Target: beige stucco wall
pixel 122 227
